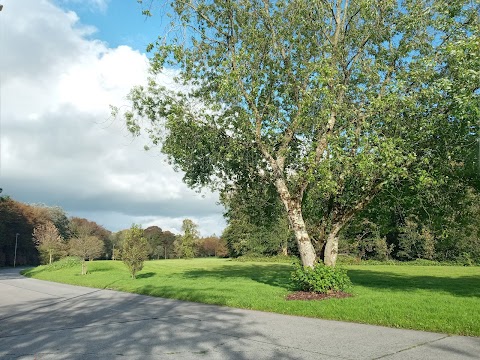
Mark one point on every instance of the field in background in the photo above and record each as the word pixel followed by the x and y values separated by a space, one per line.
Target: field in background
pixel 433 298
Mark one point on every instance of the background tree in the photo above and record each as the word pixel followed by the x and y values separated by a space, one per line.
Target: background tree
pixel 116 242
pixel 80 227
pixel 17 218
pixel 59 217
pixel 167 240
pixel 48 240
pixel 55 214
pixel 437 220
pixel 20 218
pixel 185 244
pixel 161 242
pixel 86 246
pixel 257 223
pixel 364 240
pixel 135 249
pixel 212 246
pixel 328 101
pixel 153 234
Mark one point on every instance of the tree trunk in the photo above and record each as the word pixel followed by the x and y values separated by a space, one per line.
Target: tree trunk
pixel 50 253
pixel 84 272
pixel 294 212
pixel 331 246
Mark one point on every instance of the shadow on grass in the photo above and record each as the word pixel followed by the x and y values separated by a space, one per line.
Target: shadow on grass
pixel 465 286
pixel 270 274
pixel 206 295
pixel 97 269
pixel 279 275
pixel 31 272
pixel 146 275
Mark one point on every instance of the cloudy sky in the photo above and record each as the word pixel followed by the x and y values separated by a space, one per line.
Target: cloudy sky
pixel 62 63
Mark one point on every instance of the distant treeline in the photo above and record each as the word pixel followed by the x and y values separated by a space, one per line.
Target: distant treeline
pixel 31 234
pixel 166 245
pixel 18 222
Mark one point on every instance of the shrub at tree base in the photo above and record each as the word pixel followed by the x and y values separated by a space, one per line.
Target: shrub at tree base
pixel 320 279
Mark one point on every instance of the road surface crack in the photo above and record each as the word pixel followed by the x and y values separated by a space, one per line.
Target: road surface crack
pixel 411 347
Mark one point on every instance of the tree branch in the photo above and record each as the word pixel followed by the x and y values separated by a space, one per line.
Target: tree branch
pixel 343 218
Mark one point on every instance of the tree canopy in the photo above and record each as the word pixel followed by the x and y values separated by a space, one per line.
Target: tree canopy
pixel 329 101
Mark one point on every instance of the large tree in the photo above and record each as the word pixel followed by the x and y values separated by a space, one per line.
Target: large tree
pixel 328 100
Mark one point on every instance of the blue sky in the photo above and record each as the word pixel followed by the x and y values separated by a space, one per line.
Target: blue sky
pixel 62 64
pixel 118 22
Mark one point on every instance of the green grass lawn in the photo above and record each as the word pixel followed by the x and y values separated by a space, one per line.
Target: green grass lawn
pixel 434 298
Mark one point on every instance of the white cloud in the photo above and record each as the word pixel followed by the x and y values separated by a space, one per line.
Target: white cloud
pixel 93 5
pixel 59 144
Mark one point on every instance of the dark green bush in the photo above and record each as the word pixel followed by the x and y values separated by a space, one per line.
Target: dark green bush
pixel 320 279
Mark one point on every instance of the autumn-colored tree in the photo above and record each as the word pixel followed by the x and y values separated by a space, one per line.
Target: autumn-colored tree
pixel 88 247
pixel 80 227
pixel 43 213
pixel 212 246
pixel 16 218
pixel 88 240
pixel 48 240
pixel 19 218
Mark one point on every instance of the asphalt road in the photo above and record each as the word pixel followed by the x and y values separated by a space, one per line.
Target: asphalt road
pixel 45 320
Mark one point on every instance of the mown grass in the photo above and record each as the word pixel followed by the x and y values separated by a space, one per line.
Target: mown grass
pixel 433 298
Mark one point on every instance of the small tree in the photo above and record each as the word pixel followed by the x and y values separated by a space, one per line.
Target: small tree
pixel 135 249
pixel 87 247
pixel 48 240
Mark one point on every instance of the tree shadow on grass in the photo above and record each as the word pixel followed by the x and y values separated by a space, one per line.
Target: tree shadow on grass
pixel 98 270
pixel 145 275
pixel 205 295
pixel 464 286
pixel 30 272
pixel 279 275
pixel 270 274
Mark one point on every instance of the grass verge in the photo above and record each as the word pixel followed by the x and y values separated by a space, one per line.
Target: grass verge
pixel 432 298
